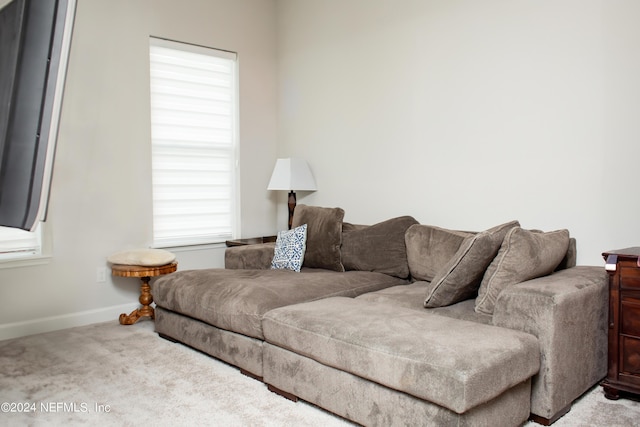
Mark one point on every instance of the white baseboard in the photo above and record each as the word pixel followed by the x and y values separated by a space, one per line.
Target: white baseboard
pixel 54 323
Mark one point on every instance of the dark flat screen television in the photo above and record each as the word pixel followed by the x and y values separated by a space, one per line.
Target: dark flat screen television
pixel 35 37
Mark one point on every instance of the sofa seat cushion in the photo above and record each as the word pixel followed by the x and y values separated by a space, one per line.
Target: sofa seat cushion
pixel 235 300
pixel 411 296
pixel 454 363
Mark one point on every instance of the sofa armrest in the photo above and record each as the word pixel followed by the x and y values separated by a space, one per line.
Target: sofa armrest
pixel 249 257
pixel 568 312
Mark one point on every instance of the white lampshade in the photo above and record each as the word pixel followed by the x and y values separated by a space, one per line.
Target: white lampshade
pixel 292 175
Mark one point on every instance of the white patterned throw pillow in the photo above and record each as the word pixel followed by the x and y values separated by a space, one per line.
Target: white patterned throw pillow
pixel 290 248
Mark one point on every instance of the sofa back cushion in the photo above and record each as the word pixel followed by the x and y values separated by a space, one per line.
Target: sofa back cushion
pixel 348 227
pixel 523 255
pixel 324 235
pixel 571 256
pixel 379 247
pixel 460 278
pixel 429 249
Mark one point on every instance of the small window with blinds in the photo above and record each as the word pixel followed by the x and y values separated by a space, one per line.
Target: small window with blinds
pixel 193 132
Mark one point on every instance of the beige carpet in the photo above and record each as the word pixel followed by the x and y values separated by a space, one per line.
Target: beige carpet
pixel 107 374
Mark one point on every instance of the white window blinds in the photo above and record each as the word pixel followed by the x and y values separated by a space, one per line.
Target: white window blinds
pixel 193 131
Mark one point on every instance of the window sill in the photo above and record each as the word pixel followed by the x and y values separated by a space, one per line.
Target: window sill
pixel 193 247
pixel 25 261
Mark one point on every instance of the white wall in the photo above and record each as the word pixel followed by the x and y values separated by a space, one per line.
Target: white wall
pixel 463 114
pixel 101 191
pixel 466 114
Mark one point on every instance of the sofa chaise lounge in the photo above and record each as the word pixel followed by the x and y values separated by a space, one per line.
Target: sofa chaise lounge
pixel 401 323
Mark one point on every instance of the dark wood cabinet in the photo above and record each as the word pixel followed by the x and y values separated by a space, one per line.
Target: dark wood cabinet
pixel 623 374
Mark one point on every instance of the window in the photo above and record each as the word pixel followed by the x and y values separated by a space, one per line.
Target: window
pixel 17 243
pixel 35 37
pixel 193 133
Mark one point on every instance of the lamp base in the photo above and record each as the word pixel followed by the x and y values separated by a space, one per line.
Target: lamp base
pixel 292 206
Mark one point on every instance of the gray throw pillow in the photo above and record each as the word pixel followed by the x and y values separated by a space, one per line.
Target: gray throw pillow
pixel 379 247
pixel 460 278
pixel 324 235
pixel 429 248
pixel 523 255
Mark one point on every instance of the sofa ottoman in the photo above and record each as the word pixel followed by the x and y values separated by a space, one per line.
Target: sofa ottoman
pixel 219 311
pixel 352 357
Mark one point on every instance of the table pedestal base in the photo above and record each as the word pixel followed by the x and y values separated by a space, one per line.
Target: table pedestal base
pixel 146 299
pixel 146 310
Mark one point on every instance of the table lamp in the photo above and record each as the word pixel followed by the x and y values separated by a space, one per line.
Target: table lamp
pixel 292 174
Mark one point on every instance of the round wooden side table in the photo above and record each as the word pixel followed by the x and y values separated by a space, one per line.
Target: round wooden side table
pixel 145 274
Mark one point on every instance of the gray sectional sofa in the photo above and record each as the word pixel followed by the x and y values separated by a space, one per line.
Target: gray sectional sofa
pixel 401 323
